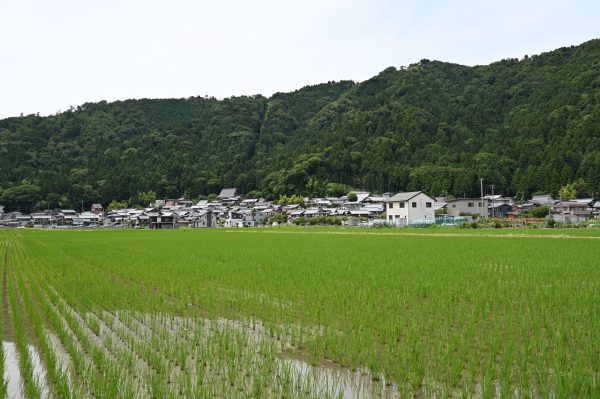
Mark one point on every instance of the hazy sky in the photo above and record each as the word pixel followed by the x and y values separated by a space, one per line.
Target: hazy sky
pixel 54 54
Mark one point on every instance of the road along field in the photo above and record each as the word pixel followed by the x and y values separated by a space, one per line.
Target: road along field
pixel 299 313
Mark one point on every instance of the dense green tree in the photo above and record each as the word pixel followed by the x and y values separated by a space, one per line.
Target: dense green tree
pixel 147 197
pixel 114 204
pixel 567 192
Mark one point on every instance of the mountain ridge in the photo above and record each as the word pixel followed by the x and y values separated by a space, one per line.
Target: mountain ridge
pixel 528 125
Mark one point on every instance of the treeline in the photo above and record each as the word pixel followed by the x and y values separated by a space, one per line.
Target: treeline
pixel 525 126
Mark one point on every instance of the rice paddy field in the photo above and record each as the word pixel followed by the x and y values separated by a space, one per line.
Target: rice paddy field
pixel 295 313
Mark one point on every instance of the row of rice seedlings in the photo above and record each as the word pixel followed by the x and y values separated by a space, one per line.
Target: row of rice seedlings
pixel 94 325
pixel 102 378
pixel 32 386
pixel 131 352
pixel 122 350
pixel 275 331
pixel 140 361
pixel 221 355
pixel 157 372
pixel 82 368
pixel 3 382
pixel 262 349
pixel 230 372
pixel 114 378
pixel 170 353
pixel 61 382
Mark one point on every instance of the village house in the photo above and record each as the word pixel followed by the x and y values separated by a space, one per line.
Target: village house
pixel 375 199
pixel 91 218
pixel 596 208
pixel 440 205
pixel 404 209
pixel 314 212
pixel 67 217
pixel 498 199
pixel 359 213
pixel 249 202
pixel 184 202
pixel 361 196
pixel 294 214
pixel 169 203
pixel 162 220
pixel 336 200
pixel 227 194
pixel 374 209
pixel 202 219
pixel 238 219
pixel 499 210
pixel 11 215
pixel 319 202
pixel 42 219
pixel 545 199
pixel 468 207
pixel 24 220
pixel 261 215
pixel 570 212
pixel 233 219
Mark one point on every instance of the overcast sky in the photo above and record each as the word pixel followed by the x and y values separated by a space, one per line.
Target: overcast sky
pixel 54 54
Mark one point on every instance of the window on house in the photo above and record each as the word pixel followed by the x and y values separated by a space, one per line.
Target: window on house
pixel 414 204
pixel 402 205
pixel 391 205
pixel 471 204
pixel 480 204
pixel 428 204
pixel 390 217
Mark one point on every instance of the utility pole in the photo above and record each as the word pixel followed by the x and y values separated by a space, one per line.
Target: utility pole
pixel 481 184
pixel 493 213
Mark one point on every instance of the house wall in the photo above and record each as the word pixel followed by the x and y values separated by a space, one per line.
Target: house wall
pixel 474 206
pixel 206 220
pixel 397 212
pixel 403 213
pixel 567 218
pixel 424 209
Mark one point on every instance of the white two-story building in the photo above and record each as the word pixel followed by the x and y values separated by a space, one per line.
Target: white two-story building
pixel 414 207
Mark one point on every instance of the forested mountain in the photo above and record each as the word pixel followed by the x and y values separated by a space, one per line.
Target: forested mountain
pixel 529 125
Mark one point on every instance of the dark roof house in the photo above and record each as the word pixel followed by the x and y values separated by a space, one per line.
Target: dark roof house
pixel 227 193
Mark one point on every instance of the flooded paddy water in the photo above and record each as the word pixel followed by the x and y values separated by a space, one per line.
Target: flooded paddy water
pixel 325 379
pixel 221 357
pixel 12 371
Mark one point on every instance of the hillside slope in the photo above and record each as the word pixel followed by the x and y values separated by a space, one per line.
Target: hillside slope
pixel 523 125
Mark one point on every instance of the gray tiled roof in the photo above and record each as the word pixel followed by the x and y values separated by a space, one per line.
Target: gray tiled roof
pixel 403 196
pixel 227 193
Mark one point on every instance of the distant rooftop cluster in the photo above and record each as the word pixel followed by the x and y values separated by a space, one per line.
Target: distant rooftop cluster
pixel 230 209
